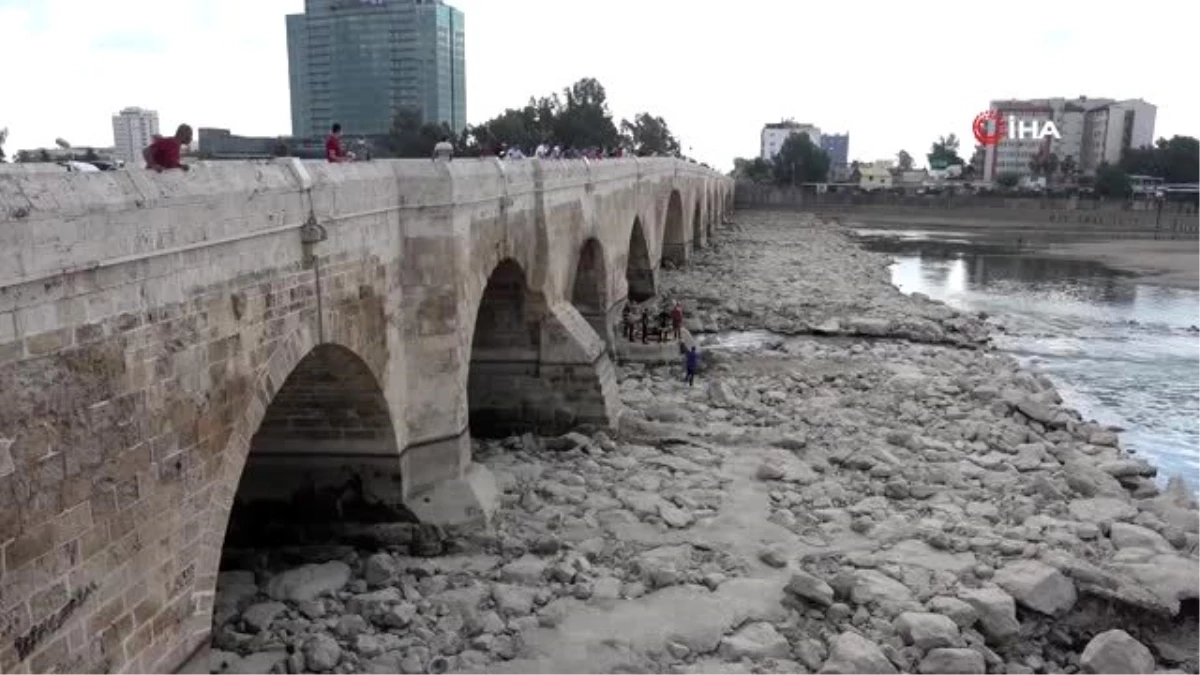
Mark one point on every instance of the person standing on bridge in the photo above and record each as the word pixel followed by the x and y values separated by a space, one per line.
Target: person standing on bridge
pixel 645 324
pixel 443 151
pixel 165 151
pixel 333 145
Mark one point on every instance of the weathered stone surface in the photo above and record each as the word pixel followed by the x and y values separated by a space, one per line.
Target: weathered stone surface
pixel 960 661
pixel 877 587
pixel 927 631
pixel 1128 535
pixel 810 588
pixel 997 612
pixel 1101 510
pixel 321 653
pixel 853 653
pixel 1115 651
pixel 308 582
pixel 758 640
pixel 961 613
pixel 258 617
pixel 1037 586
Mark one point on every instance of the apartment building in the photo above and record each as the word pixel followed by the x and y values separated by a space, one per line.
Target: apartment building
pixel 133 129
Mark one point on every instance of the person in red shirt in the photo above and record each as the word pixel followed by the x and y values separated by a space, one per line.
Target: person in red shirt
pixel 677 319
pixel 165 151
pixel 333 145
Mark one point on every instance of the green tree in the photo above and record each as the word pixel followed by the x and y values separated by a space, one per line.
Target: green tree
pixel 24 156
pixel 411 137
pixel 1175 161
pixel 978 157
pixel 583 119
pixel 1068 167
pixel 649 135
pixel 1008 179
pixel 944 152
pixel 904 161
pixel 43 155
pixel 800 161
pixel 1044 164
pixel 757 170
pixel 1112 181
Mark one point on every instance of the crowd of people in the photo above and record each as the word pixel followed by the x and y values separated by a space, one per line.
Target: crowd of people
pixel 665 324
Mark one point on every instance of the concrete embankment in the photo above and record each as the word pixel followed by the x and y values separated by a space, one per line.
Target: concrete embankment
pixel 877 491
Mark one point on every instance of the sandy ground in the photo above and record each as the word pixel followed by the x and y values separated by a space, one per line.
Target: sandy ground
pixel 1170 263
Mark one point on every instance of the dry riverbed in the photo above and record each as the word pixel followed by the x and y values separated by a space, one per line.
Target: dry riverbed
pixel 875 491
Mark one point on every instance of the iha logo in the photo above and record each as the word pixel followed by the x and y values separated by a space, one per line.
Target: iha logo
pixel 990 128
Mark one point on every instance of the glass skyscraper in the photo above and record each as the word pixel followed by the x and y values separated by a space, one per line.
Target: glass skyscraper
pixel 359 62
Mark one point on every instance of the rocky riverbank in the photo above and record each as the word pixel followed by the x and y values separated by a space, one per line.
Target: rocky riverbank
pixel 876 491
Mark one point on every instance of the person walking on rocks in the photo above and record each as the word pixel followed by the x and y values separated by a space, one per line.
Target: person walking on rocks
pixel 677 320
pixel 664 320
pixel 691 360
pixel 627 323
pixel 645 324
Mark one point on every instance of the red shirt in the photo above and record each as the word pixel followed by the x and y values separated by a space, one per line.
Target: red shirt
pixel 677 316
pixel 333 148
pixel 164 153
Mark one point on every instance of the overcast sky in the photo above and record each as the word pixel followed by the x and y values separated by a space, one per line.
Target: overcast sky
pixel 893 74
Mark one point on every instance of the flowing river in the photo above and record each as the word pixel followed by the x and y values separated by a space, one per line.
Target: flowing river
pixel 1120 351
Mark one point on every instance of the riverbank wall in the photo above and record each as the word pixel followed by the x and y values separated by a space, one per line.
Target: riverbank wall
pixel 1072 219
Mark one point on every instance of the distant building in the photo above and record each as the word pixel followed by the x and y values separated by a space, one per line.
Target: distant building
pixel 359 62
pixel 214 143
pixel 774 134
pixel 837 146
pixel 133 128
pixel 1093 131
pixel 876 175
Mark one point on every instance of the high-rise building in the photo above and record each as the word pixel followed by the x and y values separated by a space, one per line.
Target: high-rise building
pixel 359 62
pixel 132 130
pixel 837 146
pixel 775 133
pixel 1093 131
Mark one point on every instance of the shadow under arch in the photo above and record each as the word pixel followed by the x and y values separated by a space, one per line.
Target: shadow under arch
pixel 639 269
pixel 674 245
pixel 324 454
pixel 697 226
pixel 589 290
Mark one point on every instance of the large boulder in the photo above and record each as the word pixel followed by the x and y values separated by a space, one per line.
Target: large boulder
pixel 873 586
pixel 853 653
pixel 1037 586
pixel 925 630
pixel 309 581
pixel 1115 651
pixel 810 588
pixel 997 613
pixel 1101 509
pixel 758 640
pixel 321 653
pixel 1128 535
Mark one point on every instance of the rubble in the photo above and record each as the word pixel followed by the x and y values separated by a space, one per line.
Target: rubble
pixel 875 490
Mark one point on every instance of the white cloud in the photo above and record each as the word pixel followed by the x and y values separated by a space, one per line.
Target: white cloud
pixel 895 75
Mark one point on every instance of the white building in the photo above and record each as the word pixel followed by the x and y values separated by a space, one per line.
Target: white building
pixel 132 130
pixel 1092 131
pixel 774 134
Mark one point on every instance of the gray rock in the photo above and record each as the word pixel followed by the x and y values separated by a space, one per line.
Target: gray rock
pixel 810 588
pixel 606 589
pixel 963 661
pixel 1126 535
pixel 1101 510
pixel 758 640
pixel 373 604
pixel 875 586
pixel 1036 410
pixel 258 617
pixel 674 516
pixel 528 569
pixel 775 555
pixel 1124 468
pixel 961 613
pixel 810 652
pixel 234 588
pixel 927 631
pixel 1115 651
pixel 368 646
pixel 512 600
pixel 397 616
pixel 379 569
pixel 997 612
pixel 309 581
pixel 321 653
pixel 1037 586
pixel 258 662
pixel 853 653
pixel 767 471
pixel 1089 481
pixel 350 625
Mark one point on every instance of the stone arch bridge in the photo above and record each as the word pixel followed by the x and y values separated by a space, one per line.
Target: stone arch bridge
pixel 169 343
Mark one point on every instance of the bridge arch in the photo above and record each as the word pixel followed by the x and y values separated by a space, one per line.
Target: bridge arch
pixel 697 224
pixel 589 290
pixel 639 269
pixel 674 246
pixel 536 365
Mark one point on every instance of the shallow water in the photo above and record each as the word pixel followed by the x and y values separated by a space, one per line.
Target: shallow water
pixel 1121 352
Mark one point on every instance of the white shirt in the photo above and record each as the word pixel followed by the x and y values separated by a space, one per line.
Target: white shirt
pixel 443 150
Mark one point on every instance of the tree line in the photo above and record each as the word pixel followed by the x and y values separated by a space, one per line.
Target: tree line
pixel 799 161
pixel 577 120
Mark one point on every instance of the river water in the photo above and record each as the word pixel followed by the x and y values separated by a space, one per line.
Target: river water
pixel 1121 352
